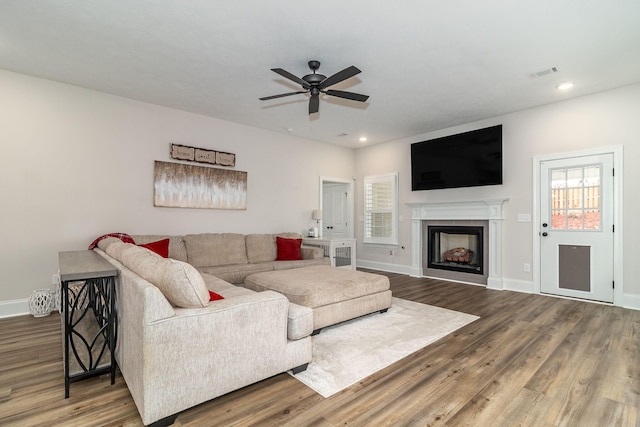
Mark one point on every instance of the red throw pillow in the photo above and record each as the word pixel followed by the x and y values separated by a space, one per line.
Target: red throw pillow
pixel 161 247
pixel 214 297
pixel 288 249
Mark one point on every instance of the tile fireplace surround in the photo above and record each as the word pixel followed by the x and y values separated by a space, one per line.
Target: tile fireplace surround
pixel 490 210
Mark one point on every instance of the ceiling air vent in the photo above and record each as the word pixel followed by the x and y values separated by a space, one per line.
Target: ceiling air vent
pixel 543 73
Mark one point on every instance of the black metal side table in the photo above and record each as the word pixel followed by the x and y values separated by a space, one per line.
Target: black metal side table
pixel 88 304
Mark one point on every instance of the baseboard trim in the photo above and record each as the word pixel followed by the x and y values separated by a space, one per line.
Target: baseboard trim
pixel 381 266
pixel 631 301
pixel 13 308
pixel 518 285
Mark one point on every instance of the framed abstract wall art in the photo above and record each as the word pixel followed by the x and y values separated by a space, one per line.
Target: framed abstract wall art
pixel 178 185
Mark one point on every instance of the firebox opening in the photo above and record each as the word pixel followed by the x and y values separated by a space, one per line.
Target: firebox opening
pixel 455 248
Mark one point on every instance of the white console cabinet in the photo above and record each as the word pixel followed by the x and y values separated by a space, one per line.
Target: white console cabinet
pixel 341 251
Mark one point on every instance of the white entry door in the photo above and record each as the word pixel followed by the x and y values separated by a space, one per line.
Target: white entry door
pixel 576 227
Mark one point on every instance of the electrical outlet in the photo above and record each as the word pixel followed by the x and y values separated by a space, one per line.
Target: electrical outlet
pixel 55 279
pixel 526 268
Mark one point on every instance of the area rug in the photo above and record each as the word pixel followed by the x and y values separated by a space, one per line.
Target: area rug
pixel 346 353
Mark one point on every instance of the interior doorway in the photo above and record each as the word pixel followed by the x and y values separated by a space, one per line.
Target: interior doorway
pixel 337 205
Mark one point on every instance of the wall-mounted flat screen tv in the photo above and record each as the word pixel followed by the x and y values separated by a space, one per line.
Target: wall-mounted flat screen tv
pixel 468 159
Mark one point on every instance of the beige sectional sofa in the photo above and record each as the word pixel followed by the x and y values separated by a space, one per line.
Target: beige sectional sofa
pixel 232 257
pixel 175 348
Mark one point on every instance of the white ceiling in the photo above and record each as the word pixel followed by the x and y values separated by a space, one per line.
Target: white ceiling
pixel 426 65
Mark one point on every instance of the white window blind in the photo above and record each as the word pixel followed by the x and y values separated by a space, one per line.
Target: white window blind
pixel 381 209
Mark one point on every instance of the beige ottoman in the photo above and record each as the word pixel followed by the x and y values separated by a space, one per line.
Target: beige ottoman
pixel 334 294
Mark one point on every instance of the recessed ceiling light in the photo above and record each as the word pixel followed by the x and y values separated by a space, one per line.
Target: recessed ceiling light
pixel 565 85
pixel 363 139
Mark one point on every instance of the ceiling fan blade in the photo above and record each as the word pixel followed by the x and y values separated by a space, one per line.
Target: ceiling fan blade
pixel 347 95
pixel 266 98
pixel 314 104
pixel 339 76
pixel 288 75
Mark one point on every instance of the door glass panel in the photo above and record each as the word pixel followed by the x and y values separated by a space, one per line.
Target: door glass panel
pixel 575 198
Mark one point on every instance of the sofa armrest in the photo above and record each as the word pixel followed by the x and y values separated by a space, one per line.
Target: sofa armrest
pixel 311 252
pixel 299 322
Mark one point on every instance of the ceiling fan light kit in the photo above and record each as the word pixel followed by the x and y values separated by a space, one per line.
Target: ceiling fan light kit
pixel 316 83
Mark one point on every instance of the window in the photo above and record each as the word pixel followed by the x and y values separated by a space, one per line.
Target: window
pixel 575 198
pixel 381 209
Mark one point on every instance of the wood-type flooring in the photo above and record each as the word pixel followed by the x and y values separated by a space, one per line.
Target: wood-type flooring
pixel 530 360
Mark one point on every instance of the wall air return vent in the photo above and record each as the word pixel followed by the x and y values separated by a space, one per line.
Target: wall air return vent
pixel 543 73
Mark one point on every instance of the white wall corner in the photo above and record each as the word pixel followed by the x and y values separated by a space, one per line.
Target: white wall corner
pixel 495 283
pixel 13 308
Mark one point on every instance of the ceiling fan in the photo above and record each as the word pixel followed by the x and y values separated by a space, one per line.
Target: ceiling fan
pixel 315 84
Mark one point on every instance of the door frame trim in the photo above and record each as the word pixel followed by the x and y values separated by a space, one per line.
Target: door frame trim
pixel 350 200
pixel 618 153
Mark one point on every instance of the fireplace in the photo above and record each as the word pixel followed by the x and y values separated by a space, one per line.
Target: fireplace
pixel 484 213
pixel 455 248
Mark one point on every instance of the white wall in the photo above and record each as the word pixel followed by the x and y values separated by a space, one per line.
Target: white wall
pixel 76 164
pixel 606 119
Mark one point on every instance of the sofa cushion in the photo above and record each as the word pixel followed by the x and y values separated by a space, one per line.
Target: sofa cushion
pixel 286 265
pixel 224 288
pixel 160 247
pixel 261 247
pixel 236 273
pixel 180 283
pixel 288 249
pixel 104 243
pixel 319 285
pixel 216 284
pixel 177 249
pixel 208 249
pixel 115 249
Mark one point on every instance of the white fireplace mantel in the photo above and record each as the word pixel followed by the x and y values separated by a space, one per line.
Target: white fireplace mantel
pixel 489 209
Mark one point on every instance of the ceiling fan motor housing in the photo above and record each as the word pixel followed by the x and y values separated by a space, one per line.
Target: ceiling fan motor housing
pixel 314 79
